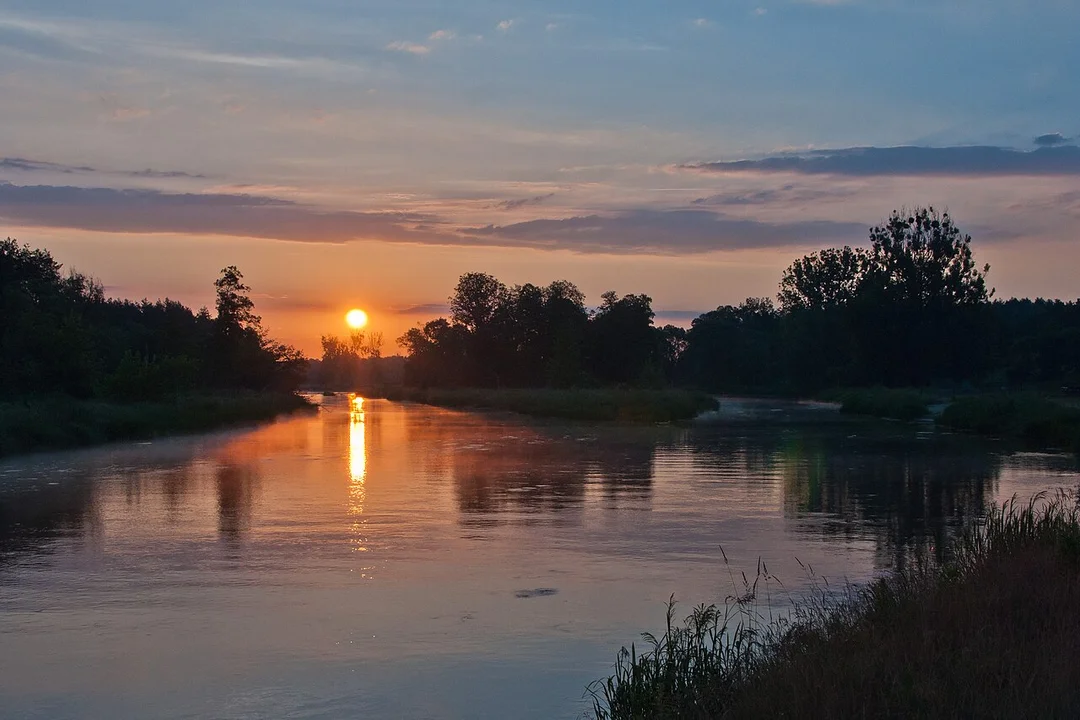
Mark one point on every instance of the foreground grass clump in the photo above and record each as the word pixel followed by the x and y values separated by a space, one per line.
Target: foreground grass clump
pixel 993 632
pixel 595 404
pixel 892 403
pixel 1032 419
pixel 59 422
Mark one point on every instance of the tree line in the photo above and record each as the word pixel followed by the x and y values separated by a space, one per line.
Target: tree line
pixel 912 309
pixel 59 334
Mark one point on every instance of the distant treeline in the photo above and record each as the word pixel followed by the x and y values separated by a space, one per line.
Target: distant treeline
pixel 911 310
pixel 60 335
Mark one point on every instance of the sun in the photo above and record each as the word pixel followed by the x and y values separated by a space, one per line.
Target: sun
pixel 356 318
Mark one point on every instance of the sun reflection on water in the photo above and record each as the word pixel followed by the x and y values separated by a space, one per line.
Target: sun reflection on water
pixel 357 476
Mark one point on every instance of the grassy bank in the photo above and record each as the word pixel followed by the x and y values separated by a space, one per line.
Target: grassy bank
pixel 892 403
pixel 1034 420
pixel 638 406
pixel 994 632
pixel 56 423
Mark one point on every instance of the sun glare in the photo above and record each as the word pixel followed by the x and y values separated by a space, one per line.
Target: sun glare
pixel 356 318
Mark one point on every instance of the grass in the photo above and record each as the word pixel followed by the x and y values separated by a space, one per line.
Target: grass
pixel 892 403
pixel 1032 419
pixel 59 422
pixel 630 406
pixel 992 632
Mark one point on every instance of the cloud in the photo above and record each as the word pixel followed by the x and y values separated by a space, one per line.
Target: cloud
pixel 910 160
pixel 408 47
pixel 442 35
pixel 701 23
pixel 522 202
pixel 27 165
pixel 41 166
pixel 789 193
pixel 551 26
pixel 761 11
pixel 667 232
pixel 505 25
pixel 152 211
pixel 1051 139
pixel 425 309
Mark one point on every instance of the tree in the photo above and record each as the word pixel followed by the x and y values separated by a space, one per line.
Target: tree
pixel 235 310
pixel 921 258
pixel 476 300
pixel 824 279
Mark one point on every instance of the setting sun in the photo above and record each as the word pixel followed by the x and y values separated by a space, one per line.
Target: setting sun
pixel 356 318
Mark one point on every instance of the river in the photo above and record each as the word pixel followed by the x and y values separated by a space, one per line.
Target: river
pixel 388 560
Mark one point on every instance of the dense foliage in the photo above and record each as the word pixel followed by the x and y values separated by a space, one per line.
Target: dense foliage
pixel 59 334
pixel 913 309
pixel 528 336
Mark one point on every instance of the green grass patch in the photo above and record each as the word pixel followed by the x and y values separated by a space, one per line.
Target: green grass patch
pixel 1032 419
pixel 59 422
pixel 992 632
pixel 892 403
pixel 629 406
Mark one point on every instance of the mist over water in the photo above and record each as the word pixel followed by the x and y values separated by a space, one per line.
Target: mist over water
pixel 395 560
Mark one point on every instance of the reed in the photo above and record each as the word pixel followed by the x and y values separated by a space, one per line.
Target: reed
pixel 993 631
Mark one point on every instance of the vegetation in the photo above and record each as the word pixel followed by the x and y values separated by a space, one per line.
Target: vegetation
pixel 1032 419
pixel 892 403
pixel 596 404
pixel 911 310
pixel 993 631
pixel 77 367
pixel 62 422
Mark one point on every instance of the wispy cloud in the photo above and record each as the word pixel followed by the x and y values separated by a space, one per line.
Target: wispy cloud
pixel 914 161
pixel 523 202
pixel 668 232
pixel 505 25
pixel 26 165
pixel 442 35
pixel 408 47
pixel 702 22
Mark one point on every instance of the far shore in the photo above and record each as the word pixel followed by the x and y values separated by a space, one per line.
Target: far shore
pixel 58 423
pixel 588 404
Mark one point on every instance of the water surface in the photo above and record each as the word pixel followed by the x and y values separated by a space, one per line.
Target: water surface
pixel 391 560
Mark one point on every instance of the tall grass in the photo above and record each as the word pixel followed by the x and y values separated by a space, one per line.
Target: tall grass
pixel 994 631
pixel 891 403
pixel 61 422
pixel 632 406
pixel 1032 419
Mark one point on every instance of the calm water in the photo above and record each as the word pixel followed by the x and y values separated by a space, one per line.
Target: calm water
pixel 414 562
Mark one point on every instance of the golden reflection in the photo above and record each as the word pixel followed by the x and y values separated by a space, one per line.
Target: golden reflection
pixel 357 474
pixel 357 444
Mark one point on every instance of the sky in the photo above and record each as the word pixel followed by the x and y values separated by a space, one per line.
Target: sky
pixel 348 153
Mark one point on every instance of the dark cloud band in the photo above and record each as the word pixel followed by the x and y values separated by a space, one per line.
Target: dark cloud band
pixel 975 161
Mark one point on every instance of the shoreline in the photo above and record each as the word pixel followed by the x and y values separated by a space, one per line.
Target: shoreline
pixel 991 631
pixel 592 405
pixel 61 423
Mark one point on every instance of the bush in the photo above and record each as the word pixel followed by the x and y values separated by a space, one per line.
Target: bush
pixel 1034 420
pixel 895 404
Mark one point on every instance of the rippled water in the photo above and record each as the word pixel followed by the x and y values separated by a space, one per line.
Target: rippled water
pixel 407 561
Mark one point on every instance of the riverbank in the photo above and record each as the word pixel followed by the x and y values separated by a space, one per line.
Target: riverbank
pixel 889 403
pixel 58 423
pixel 1033 420
pixel 993 632
pixel 628 406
